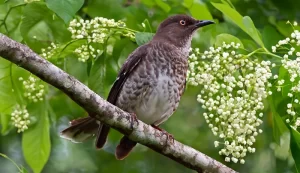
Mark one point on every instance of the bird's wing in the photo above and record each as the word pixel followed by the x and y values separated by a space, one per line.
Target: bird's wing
pixel 128 67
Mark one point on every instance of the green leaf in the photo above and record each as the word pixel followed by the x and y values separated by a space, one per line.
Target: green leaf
pixel 286 88
pixel 295 147
pixel 65 9
pixel 245 23
pixel 227 38
pixel 143 37
pixel 97 75
pixel 149 3
pixel 277 101
pixel 163 5
pixel 7 98
pixel 199 11
pixel 286 29
pixel 279 128
pixel 4 122
pixel 188 3
pixel 39 22
pixel 270 36
pixel 252 31
pixel 106 8
pixel 13 19
pixel 231 13
pixel 36 140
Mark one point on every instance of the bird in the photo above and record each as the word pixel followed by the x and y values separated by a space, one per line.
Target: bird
pixel 149 85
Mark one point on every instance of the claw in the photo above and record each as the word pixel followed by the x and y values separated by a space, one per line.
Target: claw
pixel 133 118
pixel 170 137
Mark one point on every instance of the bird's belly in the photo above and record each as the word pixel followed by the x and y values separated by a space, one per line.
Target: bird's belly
pixel 156 104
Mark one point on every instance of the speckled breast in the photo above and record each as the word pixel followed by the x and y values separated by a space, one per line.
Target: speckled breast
pixel 154 88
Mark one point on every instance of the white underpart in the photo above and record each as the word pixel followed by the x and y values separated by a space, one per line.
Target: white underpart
pixel 156 109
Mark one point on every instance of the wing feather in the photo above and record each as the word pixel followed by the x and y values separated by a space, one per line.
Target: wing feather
pixel 126 70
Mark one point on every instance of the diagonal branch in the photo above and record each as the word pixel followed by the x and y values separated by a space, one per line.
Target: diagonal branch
pixel 106 112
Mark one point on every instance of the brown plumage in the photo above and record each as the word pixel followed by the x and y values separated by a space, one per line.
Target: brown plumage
pixel 149 84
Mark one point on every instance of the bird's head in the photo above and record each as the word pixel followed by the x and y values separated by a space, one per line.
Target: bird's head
pixel 179 29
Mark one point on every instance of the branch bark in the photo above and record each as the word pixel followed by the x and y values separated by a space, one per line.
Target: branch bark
pixel 107 113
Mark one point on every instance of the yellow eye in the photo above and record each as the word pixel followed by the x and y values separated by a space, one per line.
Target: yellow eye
pixel 182 22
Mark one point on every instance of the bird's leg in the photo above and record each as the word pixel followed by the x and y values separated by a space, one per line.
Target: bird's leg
pixel 170 137
pixel 133 118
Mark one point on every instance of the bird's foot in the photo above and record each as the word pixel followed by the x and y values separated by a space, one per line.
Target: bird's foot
pixel 170 137
pixel 133 118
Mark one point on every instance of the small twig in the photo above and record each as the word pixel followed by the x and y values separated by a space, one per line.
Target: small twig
pixel 6 157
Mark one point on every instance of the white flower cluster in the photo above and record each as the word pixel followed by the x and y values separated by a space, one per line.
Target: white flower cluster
pixel 291 63
pixel 297 122
pixel 49 51
pixel 293 39
pixel 96 31
pixel 233 90
pixel 20 118
pixel 34 88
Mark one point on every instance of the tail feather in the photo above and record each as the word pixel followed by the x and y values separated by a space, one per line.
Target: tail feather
pixel 124 148
pixel 102 135
pixel 80 130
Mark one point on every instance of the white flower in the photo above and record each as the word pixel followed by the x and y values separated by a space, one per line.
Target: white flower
pixel 50 51
pixel 295 23
pixel 273 48
pixel 34 88
pixel 232 112
pixel 216 143
pixel 20 118
pixel 96 31
pixel 297 123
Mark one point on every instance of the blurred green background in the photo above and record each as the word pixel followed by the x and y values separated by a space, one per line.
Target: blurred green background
pixel 187 124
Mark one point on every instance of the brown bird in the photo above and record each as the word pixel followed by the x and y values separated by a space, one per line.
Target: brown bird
pixel 149 84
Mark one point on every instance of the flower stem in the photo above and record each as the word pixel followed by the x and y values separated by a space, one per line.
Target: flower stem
pixel 5 156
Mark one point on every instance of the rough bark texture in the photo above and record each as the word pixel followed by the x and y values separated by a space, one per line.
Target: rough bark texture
pixel 106 112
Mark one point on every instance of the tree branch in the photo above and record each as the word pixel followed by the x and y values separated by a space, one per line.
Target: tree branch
pixel 106 112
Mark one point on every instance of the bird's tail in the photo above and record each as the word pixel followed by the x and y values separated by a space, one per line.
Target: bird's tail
pixel 83 128
pixel 124 148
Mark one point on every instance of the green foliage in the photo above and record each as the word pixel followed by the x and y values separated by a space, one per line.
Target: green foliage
pixel 295 146
pixel 36 141
pixel 45 27
pixel 143 37
pixel 245 23
pixel 198 10
pixel 227 38
pixel 163 5
pixel 97 75
pixel 6 88
pixel 39 22
pixel 65 9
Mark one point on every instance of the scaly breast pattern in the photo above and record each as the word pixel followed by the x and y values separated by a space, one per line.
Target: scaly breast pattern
pixel 154 89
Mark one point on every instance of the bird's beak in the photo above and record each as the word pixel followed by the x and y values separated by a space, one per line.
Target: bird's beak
pixel 202 23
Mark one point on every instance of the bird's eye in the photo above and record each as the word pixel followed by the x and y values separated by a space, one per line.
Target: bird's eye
pixel 182 22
